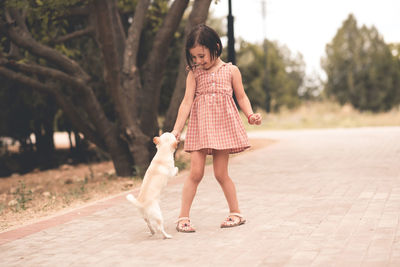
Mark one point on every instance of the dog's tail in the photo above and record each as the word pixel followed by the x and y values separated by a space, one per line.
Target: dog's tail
pixel 133 200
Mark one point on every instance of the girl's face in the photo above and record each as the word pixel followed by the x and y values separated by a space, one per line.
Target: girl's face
pixel 201 57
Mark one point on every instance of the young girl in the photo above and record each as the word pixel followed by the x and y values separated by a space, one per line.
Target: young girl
pixel 214 127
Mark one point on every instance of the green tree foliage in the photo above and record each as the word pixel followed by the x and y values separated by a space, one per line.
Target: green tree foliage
pixel 312 88
pixel 284 77
pixel 361 68
pixel 395 50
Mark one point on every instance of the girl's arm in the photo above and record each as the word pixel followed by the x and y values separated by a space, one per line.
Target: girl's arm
pixel 186 105
pixel 242 98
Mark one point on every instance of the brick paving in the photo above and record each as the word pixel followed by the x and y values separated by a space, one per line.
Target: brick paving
pixel 313 198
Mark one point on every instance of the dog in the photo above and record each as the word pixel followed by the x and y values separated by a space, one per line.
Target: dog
pixel 161 168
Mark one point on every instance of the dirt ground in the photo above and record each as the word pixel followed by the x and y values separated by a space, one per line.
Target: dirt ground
pixel 29 197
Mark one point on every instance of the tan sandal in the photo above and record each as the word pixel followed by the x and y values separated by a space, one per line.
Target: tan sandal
pixel 184 227
pixel 231 222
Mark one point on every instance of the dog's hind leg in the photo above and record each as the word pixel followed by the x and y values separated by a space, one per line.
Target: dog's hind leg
pixel 150 226
pixel 161 229
pixel 157 216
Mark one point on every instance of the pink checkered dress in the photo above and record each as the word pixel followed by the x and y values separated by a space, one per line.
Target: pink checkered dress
pixel 214 122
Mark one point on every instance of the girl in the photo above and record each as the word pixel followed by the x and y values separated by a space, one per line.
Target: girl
pixel 214 126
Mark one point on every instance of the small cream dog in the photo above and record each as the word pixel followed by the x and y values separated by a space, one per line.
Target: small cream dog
pixel 161 168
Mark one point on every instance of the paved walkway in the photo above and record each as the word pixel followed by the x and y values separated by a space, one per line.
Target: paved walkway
pixel 313 198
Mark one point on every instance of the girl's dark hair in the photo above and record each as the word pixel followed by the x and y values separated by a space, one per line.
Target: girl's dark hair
pixel 205 36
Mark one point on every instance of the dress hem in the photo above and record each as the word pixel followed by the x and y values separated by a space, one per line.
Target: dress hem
pixel 234 150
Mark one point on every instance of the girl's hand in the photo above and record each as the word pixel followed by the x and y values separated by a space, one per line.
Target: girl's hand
pixel 177 135
pixel 254 118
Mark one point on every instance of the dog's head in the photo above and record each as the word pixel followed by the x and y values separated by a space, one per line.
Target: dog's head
pixel 166 139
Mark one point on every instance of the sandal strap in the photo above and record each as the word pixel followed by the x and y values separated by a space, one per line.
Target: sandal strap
pixel 182 218
pixel 236 214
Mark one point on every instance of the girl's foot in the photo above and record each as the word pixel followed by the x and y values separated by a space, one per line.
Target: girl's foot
pixel 184 226
pixel 234 219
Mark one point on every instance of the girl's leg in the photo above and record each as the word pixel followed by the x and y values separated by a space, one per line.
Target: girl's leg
pixel 197 162
pixel 220 163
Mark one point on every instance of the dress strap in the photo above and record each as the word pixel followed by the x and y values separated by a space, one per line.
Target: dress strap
pixel 223 65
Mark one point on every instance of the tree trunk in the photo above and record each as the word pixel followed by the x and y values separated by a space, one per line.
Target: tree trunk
pixel 154 68
pixel 109 41
pixel 197 16
pixel 44 136
pixel 126 85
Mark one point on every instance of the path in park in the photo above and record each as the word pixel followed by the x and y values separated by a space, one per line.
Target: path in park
pixel 312 198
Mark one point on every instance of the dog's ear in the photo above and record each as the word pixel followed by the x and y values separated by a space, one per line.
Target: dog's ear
pixel 156 140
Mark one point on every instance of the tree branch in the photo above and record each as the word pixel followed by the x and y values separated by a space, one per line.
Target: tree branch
pixel 72 35
pixel 91 104
pixel 131 80
pixel 166 33
pixel 19 18
pixel 133 40
pixel 23 38
pixel 51 73
pixel 76 11
pixel 197 16
pixel 110 35
pixel 66 105
pixel 155 65
pixel 84 11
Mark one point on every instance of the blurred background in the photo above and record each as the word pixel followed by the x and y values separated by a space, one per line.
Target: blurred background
pixel 89 81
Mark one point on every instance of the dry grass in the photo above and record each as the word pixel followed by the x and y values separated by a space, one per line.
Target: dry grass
pixel 42 193
pixel 326 115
